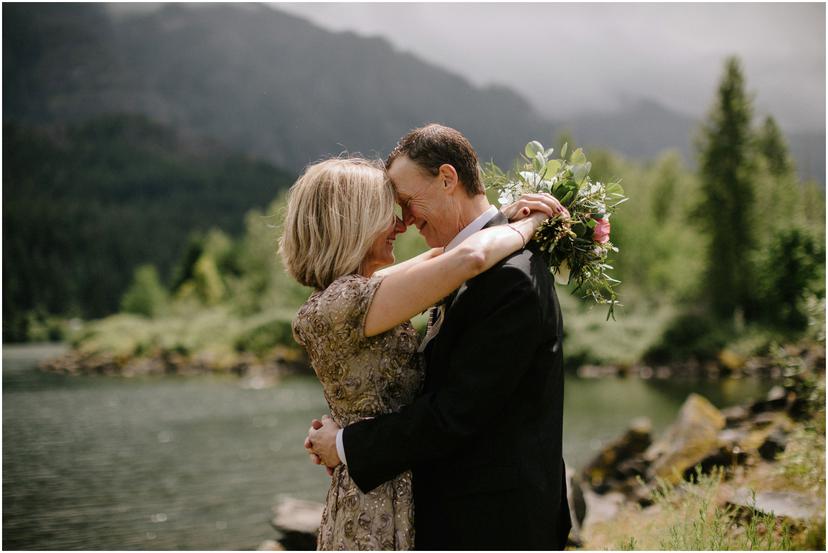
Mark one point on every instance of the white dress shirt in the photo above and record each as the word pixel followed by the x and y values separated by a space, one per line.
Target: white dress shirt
pixel 467 231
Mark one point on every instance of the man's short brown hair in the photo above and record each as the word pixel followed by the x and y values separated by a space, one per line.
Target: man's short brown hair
pixel 433 145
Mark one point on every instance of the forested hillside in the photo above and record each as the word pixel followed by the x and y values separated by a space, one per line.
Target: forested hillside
pixel 84 205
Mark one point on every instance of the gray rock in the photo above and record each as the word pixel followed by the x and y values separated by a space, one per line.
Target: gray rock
pixel 782 504
pixel 776 393
pixel 298 521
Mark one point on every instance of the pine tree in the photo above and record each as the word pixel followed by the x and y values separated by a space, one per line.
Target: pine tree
pixel 778 204
pixel 727 207
pixel 773 147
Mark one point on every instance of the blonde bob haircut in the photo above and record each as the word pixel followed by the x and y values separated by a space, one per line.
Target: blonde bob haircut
pixel 335 211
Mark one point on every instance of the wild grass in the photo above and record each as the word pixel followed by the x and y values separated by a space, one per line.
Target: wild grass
pixel 691 516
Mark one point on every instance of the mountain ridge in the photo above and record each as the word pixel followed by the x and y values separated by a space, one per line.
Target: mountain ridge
pixel 276 86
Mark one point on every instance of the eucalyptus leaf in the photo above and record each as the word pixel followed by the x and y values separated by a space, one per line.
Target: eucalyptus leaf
pixel 615 188
pixel 537 164
pixel 579 172
pixel 533 148
pixel 552 167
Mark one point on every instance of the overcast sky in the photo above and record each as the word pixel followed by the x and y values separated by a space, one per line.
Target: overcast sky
pixel 569 58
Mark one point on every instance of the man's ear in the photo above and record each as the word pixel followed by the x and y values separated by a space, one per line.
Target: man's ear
pixel 448 177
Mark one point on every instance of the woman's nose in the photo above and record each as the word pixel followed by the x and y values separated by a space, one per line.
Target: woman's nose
pixel 399 225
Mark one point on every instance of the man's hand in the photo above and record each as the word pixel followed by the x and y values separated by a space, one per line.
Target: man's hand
pixel 321 442
pixel 315 424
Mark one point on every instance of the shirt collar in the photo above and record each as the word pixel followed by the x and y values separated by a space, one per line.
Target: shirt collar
pixel 473 227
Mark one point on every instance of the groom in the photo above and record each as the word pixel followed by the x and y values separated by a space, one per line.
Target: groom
pixel 484 438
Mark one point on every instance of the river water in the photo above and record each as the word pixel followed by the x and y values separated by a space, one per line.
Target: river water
pixel 197 462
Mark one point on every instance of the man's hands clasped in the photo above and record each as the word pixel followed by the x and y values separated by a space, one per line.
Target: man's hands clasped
pixel 321 443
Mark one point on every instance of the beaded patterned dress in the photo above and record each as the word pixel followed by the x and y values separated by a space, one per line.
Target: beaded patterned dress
pixel 361 378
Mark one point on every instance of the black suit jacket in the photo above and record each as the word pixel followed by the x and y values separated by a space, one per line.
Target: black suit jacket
pixel 484 439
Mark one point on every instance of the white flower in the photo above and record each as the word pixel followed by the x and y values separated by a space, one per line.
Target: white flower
pixel 530 176
pixel 505 197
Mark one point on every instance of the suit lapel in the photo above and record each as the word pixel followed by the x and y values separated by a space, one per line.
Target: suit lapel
pixel 498 219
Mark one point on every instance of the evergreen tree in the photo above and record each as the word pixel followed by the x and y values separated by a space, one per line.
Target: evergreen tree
pixel 726 210
pixel 778 204
pixel 774 149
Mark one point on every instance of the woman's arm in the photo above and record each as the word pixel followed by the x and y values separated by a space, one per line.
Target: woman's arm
pixel 429 254
pixel 515 211
pixel 411 289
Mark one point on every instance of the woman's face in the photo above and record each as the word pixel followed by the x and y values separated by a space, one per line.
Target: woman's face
pixel 381 253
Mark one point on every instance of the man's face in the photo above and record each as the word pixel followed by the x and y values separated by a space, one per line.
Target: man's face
pixel 423 201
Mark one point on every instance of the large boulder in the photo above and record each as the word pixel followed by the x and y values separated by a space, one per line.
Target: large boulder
pixel 693 437
pixel 298 521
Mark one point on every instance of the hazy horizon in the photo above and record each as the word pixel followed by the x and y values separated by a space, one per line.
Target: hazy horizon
pixel 670 53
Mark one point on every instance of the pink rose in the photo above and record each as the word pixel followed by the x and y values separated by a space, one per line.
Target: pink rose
pixel 601 232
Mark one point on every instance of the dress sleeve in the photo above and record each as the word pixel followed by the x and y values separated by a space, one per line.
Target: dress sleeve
pixel 344 306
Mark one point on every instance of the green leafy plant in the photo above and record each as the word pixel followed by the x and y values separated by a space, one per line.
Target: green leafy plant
pixel 578 245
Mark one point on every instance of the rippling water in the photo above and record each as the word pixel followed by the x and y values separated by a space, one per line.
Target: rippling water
pixel 197 463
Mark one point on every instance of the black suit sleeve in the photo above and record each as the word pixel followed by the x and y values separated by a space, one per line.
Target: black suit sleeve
pixel 486 366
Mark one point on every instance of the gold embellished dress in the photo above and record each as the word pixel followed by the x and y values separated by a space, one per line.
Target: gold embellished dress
pixel 361 378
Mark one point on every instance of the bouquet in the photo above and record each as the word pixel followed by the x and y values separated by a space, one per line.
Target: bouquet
pixel 578 246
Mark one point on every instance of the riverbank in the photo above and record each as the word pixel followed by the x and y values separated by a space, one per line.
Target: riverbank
pixel 746 477
pixel 750 476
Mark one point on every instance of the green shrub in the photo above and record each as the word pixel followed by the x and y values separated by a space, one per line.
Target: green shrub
pixel 146 295
pixel 791 271
pixel 262 337
pixel 690 335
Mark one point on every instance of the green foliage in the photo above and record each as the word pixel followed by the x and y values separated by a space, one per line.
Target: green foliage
pixel 83 206
pixel 588 339
pixel 727 208
pixel 689 336
pixel 662 258
pixel 792 270
pixel 773 147
pixel 572 243
pixel 700 524
pixel 266 332
pixel 145 296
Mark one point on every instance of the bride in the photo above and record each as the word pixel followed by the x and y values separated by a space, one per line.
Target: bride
pixel 338 238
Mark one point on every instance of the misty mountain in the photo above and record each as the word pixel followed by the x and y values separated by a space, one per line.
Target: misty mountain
pixel 275 86
pixel 260 81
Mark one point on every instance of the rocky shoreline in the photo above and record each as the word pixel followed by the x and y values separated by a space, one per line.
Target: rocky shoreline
pixel 628 472
pixel 726 364
pixel 255 371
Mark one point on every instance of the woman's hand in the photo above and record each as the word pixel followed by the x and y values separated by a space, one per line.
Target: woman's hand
pixel 534 203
